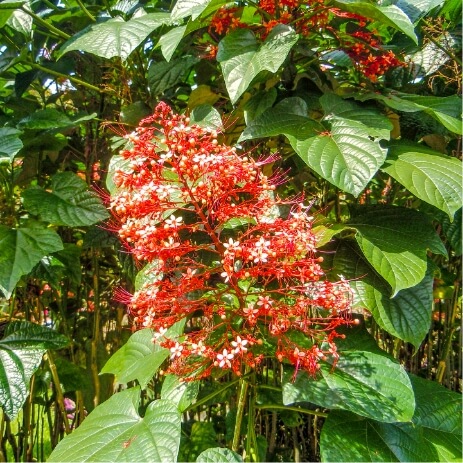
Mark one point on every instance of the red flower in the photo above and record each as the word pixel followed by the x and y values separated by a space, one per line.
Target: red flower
pixel 222 257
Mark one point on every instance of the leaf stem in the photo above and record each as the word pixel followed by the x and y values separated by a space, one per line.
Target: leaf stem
pixel 86 12
pixel 58 390
pixel 243 389
pixel 72 79
pixel 45 24
pixel 291 409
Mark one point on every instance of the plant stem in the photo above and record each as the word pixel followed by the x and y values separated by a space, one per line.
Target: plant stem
pixel 45 24
pixel 86 12
pixel 59 391
pixel 72 79
pixel 211 396
pixel 292 409
pixel 252 451
pixel 243 389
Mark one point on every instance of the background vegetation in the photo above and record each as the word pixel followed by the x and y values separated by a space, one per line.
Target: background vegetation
pixel 377 149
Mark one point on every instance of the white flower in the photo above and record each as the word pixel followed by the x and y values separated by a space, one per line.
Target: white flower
pixel 176 351
pixel 239 345
pixel 224 358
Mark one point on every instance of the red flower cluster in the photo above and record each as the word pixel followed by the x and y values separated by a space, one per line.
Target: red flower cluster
pixel 310 17
pixel 221 256
pixel 369 56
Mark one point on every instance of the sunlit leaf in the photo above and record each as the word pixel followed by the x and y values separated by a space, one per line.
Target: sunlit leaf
pixel 115 432
pixel 395 241
pixel 115 37
pixel 431 176
pixel 21 351
pixel 242 58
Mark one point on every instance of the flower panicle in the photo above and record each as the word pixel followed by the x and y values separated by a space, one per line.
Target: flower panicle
pixel 247 280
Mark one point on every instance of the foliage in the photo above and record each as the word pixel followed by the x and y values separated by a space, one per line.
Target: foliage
pixel 357 102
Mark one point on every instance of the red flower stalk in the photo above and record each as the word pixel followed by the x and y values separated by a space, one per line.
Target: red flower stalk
pixel 221 255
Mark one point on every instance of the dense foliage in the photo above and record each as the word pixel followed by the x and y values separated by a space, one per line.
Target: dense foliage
pixel 230 230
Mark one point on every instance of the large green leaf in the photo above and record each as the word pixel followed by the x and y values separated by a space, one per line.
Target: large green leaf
pixel 218 455
pixel 431 176
pixel 50 118
pixel 21 351
pixel 368 383
pixel 193 8
pixel 139 359
pixel 182 393
pixel 164 75
pixel 206 116
pixel 115 37
pixel 346 155
pixel 350 437
pixel 242 58
pixel 395 241
pixel 115 432
pixel 434 435
pixel 70 202
pixel 389 15
pixel 416 9
pixel 10 143
pixel 447 110
pixel 406 316
pixel 20 250
pixel 288 117
pixel 170 40
pixel 438 412
pixel 376 123
pixel 391 381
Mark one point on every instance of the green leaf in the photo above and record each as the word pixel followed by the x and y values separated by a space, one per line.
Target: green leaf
pixel 69 203
pixel 434 435
pixel 406 316
pixel 376 123
pixel 438 412
pixel 429 175
pixel 288 117
pixel 10 143
pixel 368 383
pixel 115 432
pixel 389 15
pixel 218 454
pixel 133 113
pixel 148 275
pixel 182 393
pixel 395 241
pixel 115 37
pixel 20 250
pixel 117 162
pixel 203 436
pixel 164 75
pixel 193 8
pixel 446 110
pixel 242 58
pixel 139 359
pixel 45 119
pixel 346 155
pixel 206 116
pixel 352 438
pixel 169 41
pixel 259 103
pixel 21 351
pixel 416 9
pixel 453 231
